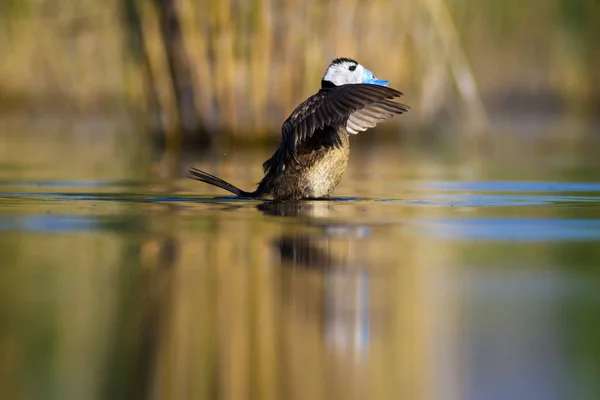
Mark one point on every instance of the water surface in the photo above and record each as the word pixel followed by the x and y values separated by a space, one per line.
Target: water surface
pixel 437 271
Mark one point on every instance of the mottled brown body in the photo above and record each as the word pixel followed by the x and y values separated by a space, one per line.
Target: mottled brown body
pixel 322 161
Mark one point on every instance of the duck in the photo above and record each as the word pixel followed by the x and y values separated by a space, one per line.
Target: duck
pixel 315 138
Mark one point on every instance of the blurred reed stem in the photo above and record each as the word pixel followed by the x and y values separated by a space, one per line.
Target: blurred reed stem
pixel 236 68
pixel 457 61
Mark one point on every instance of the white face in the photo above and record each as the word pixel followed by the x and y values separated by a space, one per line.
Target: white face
pixel 342 72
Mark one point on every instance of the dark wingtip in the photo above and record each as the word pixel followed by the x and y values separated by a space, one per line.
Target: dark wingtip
pixel 388 91
pixel 393 107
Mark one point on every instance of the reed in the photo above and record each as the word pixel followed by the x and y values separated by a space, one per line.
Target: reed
pixel 251 62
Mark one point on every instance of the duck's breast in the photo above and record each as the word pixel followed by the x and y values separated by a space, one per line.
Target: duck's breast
pixel 324 166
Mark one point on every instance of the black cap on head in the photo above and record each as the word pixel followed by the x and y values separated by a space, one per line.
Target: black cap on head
pixel 342 60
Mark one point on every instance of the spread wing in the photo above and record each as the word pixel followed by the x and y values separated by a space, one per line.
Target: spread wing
pixel 358 106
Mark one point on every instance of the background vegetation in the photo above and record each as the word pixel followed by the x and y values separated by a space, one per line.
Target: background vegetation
pixel 234 67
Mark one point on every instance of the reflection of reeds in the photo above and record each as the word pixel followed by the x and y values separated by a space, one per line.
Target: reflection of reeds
pixel 249 63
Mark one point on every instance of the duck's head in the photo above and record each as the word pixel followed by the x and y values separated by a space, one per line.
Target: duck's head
pixel 342 71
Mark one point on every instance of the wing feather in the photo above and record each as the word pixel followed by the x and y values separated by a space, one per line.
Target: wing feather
pixel 357 106
pixel 353 127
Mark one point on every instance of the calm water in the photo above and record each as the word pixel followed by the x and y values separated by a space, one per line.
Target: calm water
pixel 441 270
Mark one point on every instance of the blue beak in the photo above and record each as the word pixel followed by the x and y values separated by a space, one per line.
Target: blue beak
pixel 369 78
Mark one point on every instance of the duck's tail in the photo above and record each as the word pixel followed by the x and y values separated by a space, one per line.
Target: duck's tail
pixel 213 180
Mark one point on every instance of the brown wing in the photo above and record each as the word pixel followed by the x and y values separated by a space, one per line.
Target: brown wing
pixel 357 106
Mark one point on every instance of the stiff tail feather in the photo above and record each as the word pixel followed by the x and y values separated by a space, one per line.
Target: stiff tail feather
pixel 213 180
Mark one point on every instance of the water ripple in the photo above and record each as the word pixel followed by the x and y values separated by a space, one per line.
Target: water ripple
pixel 509 186
pixel 513 229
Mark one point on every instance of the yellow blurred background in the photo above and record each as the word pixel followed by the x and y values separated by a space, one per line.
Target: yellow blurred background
pixel 236 68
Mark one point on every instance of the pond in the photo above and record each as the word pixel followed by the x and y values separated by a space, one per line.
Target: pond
pixel 444 267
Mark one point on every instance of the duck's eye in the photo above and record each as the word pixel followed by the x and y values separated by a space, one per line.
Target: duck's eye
pixel 352 67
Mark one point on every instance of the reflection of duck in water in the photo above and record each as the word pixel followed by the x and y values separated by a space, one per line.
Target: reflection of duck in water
pixel 331 283
pixel 327 244
pixel 315 145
